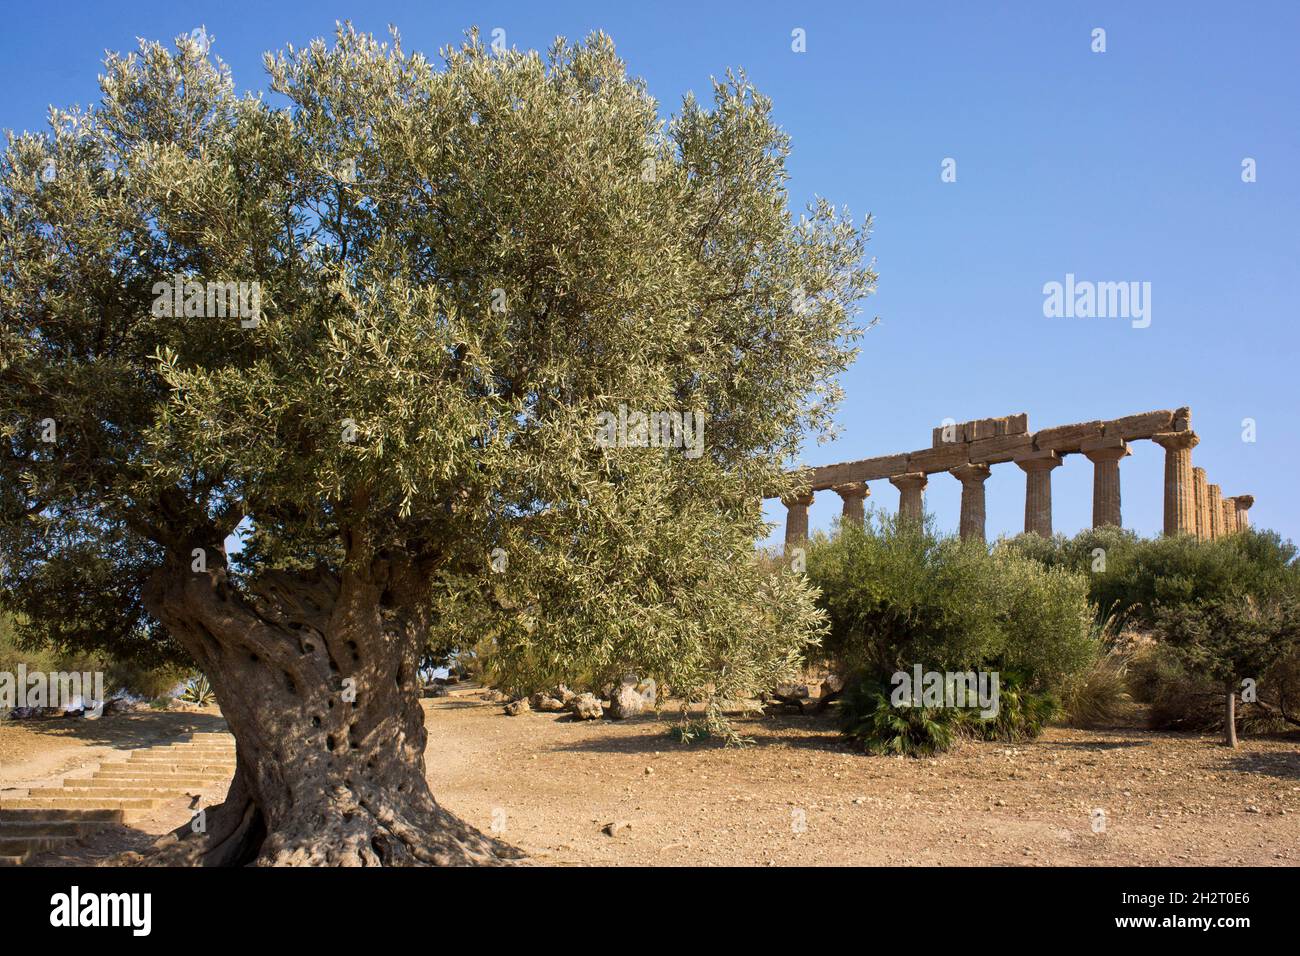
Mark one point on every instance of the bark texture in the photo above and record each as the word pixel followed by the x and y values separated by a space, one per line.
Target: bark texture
pixel 316 674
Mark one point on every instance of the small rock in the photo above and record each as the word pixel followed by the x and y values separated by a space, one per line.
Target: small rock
pixel 517 707
pixel 612 829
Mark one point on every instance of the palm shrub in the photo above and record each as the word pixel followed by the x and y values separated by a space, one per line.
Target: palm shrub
pixel 1022 713
pixel 871 721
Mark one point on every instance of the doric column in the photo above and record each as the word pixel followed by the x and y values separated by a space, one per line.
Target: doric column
pixel 1037 467
pixel 796 520
pixel 1213 496
pixel 854 494
pixel 910 486
pixel 1229 516
pixel 1180 497
pixel 972 478
pixel 1202 504
pixel 1105 453
pixel 1243 504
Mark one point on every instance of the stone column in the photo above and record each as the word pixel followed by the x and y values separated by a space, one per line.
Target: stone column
pixel 1037 467
pixel 1202 504
pixel 910 486
pixel 854 494
pixel 1180 497
pixel 972 478
pixel 1213 496
pixel 1229 516
pixel 796 520
pixel 1243 504
pixel 1105 453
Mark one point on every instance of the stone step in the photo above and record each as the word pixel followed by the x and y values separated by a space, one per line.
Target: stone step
pixel 166 781
pixel 29 846
pixel 182 756
pixel 35 815
pixel 98 793
pixel 68 828
pixel 139 769
pixel 79 803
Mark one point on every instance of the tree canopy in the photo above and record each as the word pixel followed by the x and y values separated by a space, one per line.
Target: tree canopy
pixel 455 270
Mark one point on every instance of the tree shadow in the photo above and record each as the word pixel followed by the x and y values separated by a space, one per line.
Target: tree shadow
pixel 130 731
pixel 817 733
pixel 1285 766
pixel 1099 745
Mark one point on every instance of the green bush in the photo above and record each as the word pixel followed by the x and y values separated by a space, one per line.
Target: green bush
pixel 896 593
pixel 872 722
pixel 1132 577
pixel 1022 714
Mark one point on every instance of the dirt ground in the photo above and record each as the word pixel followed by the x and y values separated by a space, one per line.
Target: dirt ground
pixel 797 795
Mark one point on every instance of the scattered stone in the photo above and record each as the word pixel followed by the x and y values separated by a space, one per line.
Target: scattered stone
pixel 435 690
pixel 586 707
pixel 546 703
pixel 517 707
pixel 625 702
pixel 613 829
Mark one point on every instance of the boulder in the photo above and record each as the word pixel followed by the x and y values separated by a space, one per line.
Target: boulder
pixel 632 697
pixel 625 702
pixel 586 707
pixel 546 703
pixel 517 707
pixel 435 690
pixel 649 691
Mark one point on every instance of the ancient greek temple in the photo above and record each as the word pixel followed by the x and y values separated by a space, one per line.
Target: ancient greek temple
pixel 968 450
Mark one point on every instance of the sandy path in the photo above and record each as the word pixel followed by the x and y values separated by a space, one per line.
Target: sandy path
pixel 797 796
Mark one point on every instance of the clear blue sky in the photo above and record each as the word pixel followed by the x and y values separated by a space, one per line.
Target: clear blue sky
pixel 1115 166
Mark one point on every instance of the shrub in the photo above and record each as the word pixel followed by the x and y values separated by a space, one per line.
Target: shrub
pixel 1131 577
pixel 1022 714
pixel 896 593
pixel 1230 640
pixel 872 722
pixel 199 691
pixel 1099 693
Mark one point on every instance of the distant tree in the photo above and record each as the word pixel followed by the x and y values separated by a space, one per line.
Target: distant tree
pixel 458 270
pixel 1233 641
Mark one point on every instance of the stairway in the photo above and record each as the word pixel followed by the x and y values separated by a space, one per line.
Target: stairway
pixel 46 818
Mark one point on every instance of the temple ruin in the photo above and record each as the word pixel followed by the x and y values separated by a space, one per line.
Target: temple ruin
pixel 968 450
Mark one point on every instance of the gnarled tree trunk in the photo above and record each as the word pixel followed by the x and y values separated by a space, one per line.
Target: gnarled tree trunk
pixel 317 677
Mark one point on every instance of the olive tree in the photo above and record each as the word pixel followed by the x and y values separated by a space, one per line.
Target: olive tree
pixel 393 325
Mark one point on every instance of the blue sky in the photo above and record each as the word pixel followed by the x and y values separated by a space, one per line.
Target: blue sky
pixel 1115 166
